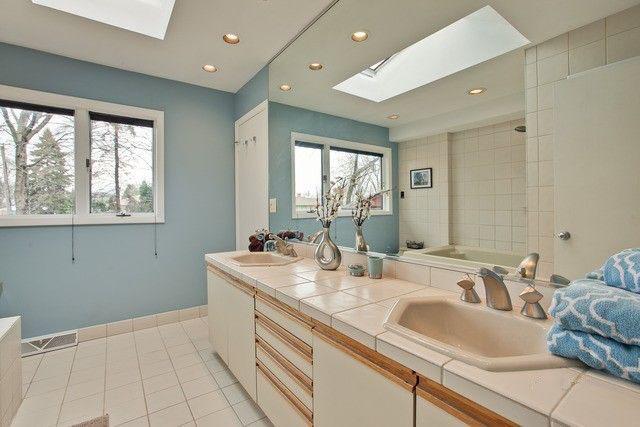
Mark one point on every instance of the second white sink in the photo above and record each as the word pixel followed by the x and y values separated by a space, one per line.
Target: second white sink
pixel 489 339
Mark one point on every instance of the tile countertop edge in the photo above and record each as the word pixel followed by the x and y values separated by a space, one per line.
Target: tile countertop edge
pixel 398 348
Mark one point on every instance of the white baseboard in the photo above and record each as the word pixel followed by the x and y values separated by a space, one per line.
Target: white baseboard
pixel 137 323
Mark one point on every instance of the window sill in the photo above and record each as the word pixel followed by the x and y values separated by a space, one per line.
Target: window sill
pixel 54 220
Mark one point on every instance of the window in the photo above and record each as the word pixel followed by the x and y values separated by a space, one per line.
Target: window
pixel 121 164
pixel 36 158
pixel 473 39
pixel 317 161
pixel 366 166
pixel 308 173
pixel 67 160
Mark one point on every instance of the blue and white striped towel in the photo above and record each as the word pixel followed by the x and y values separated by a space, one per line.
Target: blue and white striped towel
pixel 592 307
pixel 622 270
pixel 598 352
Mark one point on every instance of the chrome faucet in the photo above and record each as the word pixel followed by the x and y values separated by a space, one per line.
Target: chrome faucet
pixel 528 266
pixel 313 238
pixel 497 294
pixel 283 247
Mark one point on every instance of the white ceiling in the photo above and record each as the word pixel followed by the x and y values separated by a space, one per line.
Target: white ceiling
pixel 442 105
pixel 193 38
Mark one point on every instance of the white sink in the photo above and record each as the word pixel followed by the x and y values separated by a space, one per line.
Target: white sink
pixel 262 259
pixel 475 334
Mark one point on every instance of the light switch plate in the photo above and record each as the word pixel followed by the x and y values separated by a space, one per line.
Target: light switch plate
pixel 273 205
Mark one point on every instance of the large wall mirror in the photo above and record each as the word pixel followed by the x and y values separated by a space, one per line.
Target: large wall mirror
pixel 450 116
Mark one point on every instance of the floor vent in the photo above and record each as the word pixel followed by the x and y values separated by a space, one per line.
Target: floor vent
pixel 47 343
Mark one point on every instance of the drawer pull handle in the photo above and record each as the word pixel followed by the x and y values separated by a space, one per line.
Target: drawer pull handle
pixel 287 366
pixel 286 336
pixel 284 391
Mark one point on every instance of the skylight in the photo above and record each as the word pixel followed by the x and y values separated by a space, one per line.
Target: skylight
pixel 476 38
pixel 148 17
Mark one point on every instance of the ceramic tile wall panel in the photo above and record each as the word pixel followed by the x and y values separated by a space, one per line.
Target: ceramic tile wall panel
pixel 602 42
pixel 424 213
pixel 487 181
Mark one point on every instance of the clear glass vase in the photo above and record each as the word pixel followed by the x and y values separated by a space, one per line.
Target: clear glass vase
pixel 327 254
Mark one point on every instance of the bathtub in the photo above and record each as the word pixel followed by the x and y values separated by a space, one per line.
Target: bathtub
pixel 470 257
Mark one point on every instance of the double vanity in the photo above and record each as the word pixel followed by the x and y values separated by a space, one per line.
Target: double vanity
pixel 323 348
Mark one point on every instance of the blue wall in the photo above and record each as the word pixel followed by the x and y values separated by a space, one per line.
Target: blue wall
pixel 381 232
pixel 116 275
pixel 252 93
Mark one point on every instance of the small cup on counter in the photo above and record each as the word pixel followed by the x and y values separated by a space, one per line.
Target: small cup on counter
pixel 375 267
pixel 356 270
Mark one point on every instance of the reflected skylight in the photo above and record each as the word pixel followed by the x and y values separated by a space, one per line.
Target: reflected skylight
pixel 476 38
pixel 148 17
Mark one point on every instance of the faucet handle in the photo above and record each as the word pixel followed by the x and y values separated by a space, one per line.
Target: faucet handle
pixel 532 308
pixel 468 293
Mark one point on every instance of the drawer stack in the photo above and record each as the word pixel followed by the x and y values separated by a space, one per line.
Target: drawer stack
pixel 284 360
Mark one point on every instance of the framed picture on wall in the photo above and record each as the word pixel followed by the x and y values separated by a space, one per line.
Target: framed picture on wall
pixel 421 178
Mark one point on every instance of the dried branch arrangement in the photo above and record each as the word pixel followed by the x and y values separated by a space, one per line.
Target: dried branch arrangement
pixel 328 205
pixel 362 210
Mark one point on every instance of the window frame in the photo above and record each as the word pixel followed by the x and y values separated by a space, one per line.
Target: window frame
pixel 82 151
pixel 327 143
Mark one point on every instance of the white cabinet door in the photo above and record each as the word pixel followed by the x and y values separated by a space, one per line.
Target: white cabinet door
pixel 218 326
pixel 429 415
pixel 346 392
pixel 242 344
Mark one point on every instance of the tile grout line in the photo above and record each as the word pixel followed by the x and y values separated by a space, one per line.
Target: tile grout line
pixel 144 395
pixel 164 345
pixel 211 374
pixel 67 384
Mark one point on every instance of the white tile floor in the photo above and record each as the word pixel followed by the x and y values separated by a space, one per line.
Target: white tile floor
pixel 162 376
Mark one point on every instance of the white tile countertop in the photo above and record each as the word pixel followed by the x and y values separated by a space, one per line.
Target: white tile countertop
pixel 358 306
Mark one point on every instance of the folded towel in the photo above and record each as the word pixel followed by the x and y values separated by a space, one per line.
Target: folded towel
pixel 622 270
pixel 592 307
pixel 598 352
pixel 596 275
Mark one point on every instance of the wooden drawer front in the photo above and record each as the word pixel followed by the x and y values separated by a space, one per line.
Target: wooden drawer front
pixel 300 359
pixel 297 383
pixel 282 408
pixel 285 320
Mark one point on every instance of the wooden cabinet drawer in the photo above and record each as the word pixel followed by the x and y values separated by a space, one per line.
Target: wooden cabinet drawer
pixel 287 321
pixel 291 377
pixel 299 355
pixel 281 407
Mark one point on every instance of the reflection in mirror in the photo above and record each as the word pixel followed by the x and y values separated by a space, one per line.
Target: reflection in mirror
pixel 427 105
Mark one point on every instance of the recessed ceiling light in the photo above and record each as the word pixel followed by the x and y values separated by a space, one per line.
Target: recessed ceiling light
pixel 210 68
pixel 315 66
pixel 359 36
pixel 285 88
pixel 231 38
pixel 476 91
pixel 393 116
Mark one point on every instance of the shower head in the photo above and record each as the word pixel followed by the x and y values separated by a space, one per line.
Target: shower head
pixel 520 128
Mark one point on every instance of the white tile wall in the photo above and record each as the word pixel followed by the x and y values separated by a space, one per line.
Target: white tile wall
pixel 488 187
pixel 10 372
pixel 608 40
pixel 424 213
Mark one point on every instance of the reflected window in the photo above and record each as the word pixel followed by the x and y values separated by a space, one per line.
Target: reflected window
pixel 308 176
